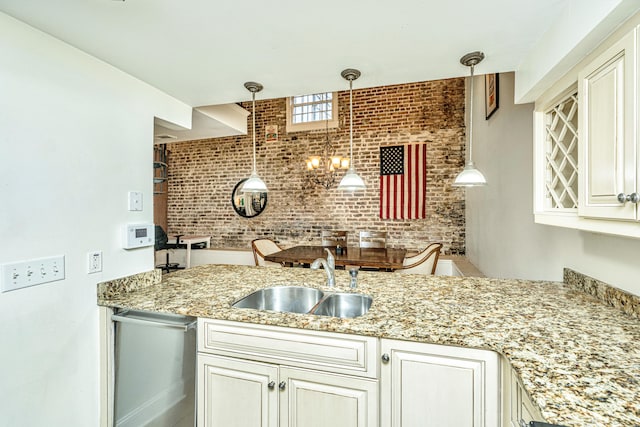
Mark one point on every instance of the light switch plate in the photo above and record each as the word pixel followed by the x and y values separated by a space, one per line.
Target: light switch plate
pixel 135 200
pixel 22 274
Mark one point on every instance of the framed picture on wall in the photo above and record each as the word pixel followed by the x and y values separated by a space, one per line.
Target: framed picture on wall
pixel 490 94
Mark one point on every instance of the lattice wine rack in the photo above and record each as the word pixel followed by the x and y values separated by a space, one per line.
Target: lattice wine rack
pixel 561 157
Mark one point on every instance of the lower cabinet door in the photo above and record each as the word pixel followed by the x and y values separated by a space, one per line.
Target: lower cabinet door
pixel 318 399
pixel 522 409
pixel 236 393
pixel 424 385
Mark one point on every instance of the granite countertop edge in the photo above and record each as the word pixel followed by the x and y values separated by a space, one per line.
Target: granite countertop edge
pixel 557 337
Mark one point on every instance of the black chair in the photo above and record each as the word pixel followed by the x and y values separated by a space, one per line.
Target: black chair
pixel 162 243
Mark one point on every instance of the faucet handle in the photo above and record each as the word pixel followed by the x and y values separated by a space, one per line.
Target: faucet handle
pixel 354 277
pixel 330 259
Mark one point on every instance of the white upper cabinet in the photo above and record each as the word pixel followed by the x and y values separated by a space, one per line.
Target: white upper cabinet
pixel 586 143
pixel 607 115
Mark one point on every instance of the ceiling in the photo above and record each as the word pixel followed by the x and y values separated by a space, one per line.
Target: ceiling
pixel 202 51
pixel 211 121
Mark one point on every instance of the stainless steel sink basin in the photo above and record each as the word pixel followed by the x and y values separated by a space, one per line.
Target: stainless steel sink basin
pixel 299 299
pixel 343 305
pixel 292 299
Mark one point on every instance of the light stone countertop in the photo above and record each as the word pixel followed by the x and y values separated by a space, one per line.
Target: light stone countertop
pixel 578 358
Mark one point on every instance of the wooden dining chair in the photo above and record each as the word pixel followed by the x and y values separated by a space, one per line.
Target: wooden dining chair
pixel 425 262
pixel 333 238
pixel 263 247
pixel 373 239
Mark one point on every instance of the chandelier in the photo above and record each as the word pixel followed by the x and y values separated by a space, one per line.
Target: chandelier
pixel 321 170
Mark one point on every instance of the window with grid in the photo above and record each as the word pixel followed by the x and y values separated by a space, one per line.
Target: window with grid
pixel 309 112
pixel 561 155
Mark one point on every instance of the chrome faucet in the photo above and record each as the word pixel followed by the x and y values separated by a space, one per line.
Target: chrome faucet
pixel 329 266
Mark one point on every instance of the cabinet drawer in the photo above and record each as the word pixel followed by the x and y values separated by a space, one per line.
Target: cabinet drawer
pixel 325 351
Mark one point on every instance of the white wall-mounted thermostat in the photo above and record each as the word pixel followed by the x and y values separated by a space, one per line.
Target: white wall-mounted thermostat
pixel 138 235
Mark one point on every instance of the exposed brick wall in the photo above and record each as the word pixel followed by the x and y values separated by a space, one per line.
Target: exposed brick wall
pixel 202 174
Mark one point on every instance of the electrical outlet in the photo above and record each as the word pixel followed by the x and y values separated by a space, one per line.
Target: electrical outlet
pixel 22 274
pixel 94 262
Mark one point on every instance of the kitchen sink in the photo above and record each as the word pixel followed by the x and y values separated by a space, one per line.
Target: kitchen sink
pixel 300 299
pixel 343 305
pixel 292 299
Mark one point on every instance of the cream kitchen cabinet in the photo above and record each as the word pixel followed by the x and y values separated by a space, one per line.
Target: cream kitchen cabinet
pixel 298 378
pixel 312 398
pixel 256 376
pixel 425 385
pixel 586 141
pixel 253 394
pixel 608 142
pixel 521 410
pixel 236 393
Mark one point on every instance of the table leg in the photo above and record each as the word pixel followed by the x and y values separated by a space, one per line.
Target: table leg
pixel 189 255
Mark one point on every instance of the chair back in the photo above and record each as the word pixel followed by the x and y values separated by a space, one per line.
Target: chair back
pixel 423 263
pixel 263 247
pixel 333 238
pixel 161 238
pixel 373 239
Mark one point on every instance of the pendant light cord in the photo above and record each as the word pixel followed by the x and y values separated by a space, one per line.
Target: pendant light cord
pixel 470 118
pixel 253 116
pixel 351 123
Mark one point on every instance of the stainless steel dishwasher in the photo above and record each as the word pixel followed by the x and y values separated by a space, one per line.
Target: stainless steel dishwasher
pixel 155 368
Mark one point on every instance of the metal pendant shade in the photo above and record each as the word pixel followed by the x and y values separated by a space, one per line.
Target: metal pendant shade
pixel 351 181
pixel 470 176
pixel 254 184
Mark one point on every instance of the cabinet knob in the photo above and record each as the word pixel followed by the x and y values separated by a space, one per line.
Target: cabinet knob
pixel 282 385
pixel 271 384
pixel 385 358
pixel 633 198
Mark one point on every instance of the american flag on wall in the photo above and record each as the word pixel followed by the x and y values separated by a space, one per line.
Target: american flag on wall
pixel 402 181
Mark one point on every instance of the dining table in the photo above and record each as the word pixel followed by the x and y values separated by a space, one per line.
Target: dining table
pixel 380 258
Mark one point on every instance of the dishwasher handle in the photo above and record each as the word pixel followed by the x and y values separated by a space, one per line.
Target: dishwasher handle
pixel 541 424
pixel 159 320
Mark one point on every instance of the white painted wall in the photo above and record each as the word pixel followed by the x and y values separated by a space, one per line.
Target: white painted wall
pixel 502 239
pixel 76 135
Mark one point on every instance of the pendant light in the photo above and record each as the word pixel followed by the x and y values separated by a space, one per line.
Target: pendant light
pixel 351 181
pixel 254 184
pixel 470 176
